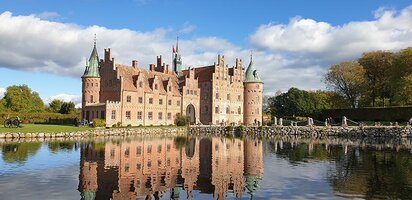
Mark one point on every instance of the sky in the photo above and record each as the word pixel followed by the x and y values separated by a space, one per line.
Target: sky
pixel 45 43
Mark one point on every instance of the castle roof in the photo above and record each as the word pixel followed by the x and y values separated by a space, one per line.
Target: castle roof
pixel 252 75
pixel 92 65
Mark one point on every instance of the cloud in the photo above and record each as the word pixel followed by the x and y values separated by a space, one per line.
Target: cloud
pixel 295 54
pixel 47 15
pixel 2 91
pixel 187 28
pixel 76 99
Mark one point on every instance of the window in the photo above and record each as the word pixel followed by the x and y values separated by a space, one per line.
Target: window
pixel 150 115
pixel 239 98
pixel 138 166
pixel 206 108
pixel 217 109
pixel 160 101
pixel 149 149
pixel 127 152
pixel 168 147
pixel 126 167
pixel 155 86
pixel 191 92
pixel 149 164
pixel 159 148
pixel 187 91
pixel 138 150
pixel 217 95
pixel 227 110
pixel 140 84
pixel 150 100
pixel 239 111
pixel 169 102
pixel 139 115
pixel 91 98
pixel 127 114
pixel 112 152
pixel 140 99
pixel 178 103
pixel 169 116
pixel 113 114
pixel 129 99
pixel 97 84
pixel 160 115
pixel 170 88
pixel 103 114
pixel 196 92
pixel 228 96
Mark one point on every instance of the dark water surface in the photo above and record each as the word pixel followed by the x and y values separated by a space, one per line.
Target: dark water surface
pixel 205 168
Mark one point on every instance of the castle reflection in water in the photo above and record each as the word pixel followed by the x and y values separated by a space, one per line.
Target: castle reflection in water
pixel 168 168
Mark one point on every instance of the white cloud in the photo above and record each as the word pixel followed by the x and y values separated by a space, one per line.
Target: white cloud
pixel 47 15
pixel 76 99
pixel 187 28
pixel 286 55
pixel 2 91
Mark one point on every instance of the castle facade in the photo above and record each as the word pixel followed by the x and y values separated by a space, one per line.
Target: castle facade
pixel 131 95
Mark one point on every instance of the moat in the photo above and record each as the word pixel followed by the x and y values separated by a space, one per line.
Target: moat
pixel 189 167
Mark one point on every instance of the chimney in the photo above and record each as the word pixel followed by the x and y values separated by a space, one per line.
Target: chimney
pixel 152 67
pixel 135 63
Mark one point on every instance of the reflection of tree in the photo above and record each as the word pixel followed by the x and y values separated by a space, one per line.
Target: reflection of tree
pixel 56 146
pixel 19 152
pixel 373 174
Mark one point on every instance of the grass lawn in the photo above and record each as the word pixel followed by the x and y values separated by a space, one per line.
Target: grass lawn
pixel 44 128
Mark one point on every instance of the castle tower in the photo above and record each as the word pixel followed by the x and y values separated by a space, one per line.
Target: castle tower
pixel 253 96
pixel 177 59
pixel 91 81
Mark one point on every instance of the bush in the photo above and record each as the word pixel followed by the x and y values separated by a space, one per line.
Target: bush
pixel 114 125
pixel 241 128
pixel 44 117
pixel 182 121
pixel 229 128
pixel 99 122
pixel 119 124
pixel 129 125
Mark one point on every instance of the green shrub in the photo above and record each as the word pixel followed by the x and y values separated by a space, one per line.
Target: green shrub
pixel 99 122
pixel 182 121
pixel 129 125
pixel 44 117
pixel 229 128
pixel 119 124
pixel 114 125
pixel 241 128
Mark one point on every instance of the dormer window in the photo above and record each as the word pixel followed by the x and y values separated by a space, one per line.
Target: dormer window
pixel 170 88
pixel 155 86
pixel 140 84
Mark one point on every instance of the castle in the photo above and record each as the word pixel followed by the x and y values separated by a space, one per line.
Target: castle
pixel 131 95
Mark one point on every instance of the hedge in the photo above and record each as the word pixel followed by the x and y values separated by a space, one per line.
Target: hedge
pixel 48 118
pixel 398 114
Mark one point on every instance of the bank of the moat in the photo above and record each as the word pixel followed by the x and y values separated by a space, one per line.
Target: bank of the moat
pixel 308 131
pixel 265 131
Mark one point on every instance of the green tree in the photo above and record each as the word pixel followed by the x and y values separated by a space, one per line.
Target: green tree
pixel 20 98
pixel 19 152
pixel 348 80
pixel 55 106
pixel 67 108
pixel 400 77
pixel 377 65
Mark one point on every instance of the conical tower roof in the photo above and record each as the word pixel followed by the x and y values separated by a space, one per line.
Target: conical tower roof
pixel 251 73
pixel 92 65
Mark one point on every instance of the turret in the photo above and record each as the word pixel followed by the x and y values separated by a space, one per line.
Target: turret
pixel 253 96
pixel 91 81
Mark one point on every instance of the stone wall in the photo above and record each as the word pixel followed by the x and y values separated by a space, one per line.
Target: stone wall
pixel 158 131
pixel 307 131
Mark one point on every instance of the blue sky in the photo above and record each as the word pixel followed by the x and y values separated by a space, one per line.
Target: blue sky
pixel 45 43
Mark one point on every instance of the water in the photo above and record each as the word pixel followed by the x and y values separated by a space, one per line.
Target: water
pixel 206 168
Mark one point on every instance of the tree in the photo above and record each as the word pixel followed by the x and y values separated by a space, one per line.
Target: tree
pixel 55 106
pixel 20 98
pixel 400 77
pixel 347 79
pixel 67 108
pixel 377 65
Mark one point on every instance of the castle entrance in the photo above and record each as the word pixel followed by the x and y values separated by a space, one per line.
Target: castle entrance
pixel 190 112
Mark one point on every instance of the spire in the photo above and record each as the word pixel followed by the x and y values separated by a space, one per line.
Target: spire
pixel 177 59
pixel 92 65
pixel 251 73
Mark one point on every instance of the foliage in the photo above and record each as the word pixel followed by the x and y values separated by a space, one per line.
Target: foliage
pixel 377 65
pixel 67 107
pixel 229 128
pixel 182 120
pixel 401 77
pixel 241 128
pixel 55 106
pixel 44 128
pixel 297 102
pixel 348 80
pixel 41 117
pixel 20 98
pixel 99 122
